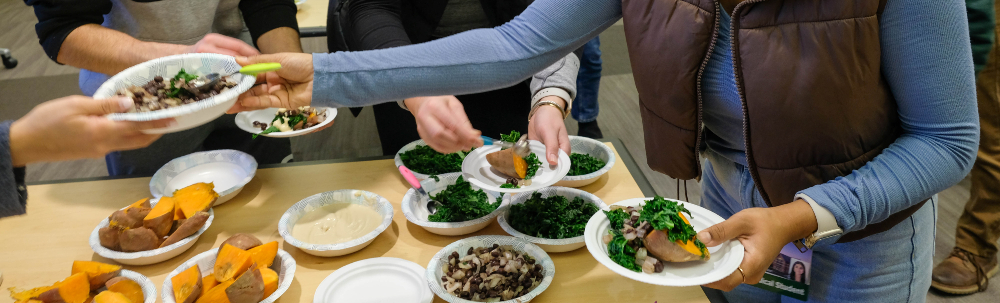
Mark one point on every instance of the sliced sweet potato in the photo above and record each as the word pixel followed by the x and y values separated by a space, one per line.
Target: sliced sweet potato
pixel 508 163
pixel 127 287
pixel 112 297
pixel 263 255
pixel 270 281
pixel 248 288
pixel 189 227
pixel 142 203
pixel 161 218
pixel 243 241
pixel 138 239
pixel 207 283
pixel 27 295
pixel 187 285
pixel 217 294
pixel 109 237
pixel 122 220
pixel 75 289
pixel 659 245
pixel 195 198
pixel 178 212
pixel 231 262
pixel 97 272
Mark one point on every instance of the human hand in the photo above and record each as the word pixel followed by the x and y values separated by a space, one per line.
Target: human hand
pixel 442 123
pixel 74 127
pixel 220 44
pixel 547 124
pixel 763 232
pixel 288 87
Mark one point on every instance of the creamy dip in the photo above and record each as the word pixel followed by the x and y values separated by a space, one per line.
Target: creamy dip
pixel 336 223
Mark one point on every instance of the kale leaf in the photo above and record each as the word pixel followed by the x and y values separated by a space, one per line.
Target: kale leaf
pixel 512 137
pixel 582 164
pixel 555 217
pixel 426 160
pixel 459 202
pixel 174 91
pixel 666 215
pixel 269 130
pixel 622 254
pixel 533 165
pixel 508 185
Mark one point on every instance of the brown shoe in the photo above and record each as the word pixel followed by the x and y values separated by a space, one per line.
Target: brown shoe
pixel 963 273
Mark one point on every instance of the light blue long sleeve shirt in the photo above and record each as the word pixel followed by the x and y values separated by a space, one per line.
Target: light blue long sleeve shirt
pixel 926 60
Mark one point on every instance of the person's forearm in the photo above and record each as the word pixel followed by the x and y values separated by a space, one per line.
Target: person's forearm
pixel 96 48
pixel 280 40
pixel 13 194
pixel 561 74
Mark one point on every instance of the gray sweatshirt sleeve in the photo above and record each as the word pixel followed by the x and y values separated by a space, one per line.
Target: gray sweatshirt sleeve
pixel 13 193
pixel 561 74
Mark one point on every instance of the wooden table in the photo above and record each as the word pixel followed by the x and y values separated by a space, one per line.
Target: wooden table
pixel 312 18
pixel 38 248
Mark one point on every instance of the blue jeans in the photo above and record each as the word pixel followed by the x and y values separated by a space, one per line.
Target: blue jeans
pixel 588 82
pixel 892 266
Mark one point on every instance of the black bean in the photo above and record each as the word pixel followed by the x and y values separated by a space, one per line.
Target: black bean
pixel 454 254
pixel 474 287
pixel 469 252
pixel 495 253
pixel 495 246
pixel 444 279
pixel 538 267
pixel 158 79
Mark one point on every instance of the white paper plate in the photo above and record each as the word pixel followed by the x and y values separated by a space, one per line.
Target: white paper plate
pixel 375 280
pixel 549 245
pixel 283 264
pixel 228 170
pixel 150 256
pixel 724 259
pixel 244 121
pixel 415 208
pixel 478 171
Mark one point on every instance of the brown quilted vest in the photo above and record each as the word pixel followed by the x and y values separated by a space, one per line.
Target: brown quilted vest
pixel 815 104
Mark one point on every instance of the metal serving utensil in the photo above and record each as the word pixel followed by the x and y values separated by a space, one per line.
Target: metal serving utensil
pixel 520 147
pixel 410 178
pixel 208 81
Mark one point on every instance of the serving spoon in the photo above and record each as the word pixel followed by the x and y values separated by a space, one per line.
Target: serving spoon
pixel 210 80
pixel 520 147
pixel 432 205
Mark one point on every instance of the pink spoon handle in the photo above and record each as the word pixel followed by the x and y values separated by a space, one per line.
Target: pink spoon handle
pixel 408 175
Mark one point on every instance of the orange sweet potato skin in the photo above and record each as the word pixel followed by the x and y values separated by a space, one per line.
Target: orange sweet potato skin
pixel 248 288
pixel 123 220
pixel 138 239
pixel 189 227
pixel 242 241
pixel 503 161
pixel 109 237
pixel 75 289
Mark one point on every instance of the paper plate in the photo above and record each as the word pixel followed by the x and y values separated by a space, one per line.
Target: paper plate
pixel 478 171
pixel 244 121
pixel 724 259
pixel 228 170
pixel 367 281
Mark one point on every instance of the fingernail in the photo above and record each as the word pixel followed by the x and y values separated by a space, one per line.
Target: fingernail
pixel 705 237
pixel 241 58
pixel 126 103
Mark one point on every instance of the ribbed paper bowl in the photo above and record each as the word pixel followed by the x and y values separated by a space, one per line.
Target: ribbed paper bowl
pixel 594 148
pixel 359 197
pixel 148 288
pixel 434 268
pixel 549 245
pixel 158 185
pixel 409 147
pixel 283 264
pixel 150 256
pixel 415 208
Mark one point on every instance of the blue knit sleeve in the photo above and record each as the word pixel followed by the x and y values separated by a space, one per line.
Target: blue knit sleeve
pixel 473 61
pixel 927 61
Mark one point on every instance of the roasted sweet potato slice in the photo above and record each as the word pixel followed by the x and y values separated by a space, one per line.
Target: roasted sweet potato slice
pixel 108 296
pixel 75 289
pixel 231 262
pixel 109 237
pixel 161 218
pixel 248 288
pixel 270 281
pixel 243 241
pixel 195 198
pixel 263 255
pixel 127 287
pixel 138 239
pixel 97 272
pixel 508 163
pixel 142 203
pixel 187 285
pixel 26 295
pixel 189 227
pixel 122 220
pixel 217 294
pixel 659 245
pixel 207 283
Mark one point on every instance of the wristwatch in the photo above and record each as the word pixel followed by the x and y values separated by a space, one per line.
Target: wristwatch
pixel 826 224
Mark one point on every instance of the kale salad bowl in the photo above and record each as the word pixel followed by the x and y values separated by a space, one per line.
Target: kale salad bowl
pixel 464 208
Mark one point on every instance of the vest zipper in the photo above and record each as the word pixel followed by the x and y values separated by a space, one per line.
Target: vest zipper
pixel 701 72
pixel 738 73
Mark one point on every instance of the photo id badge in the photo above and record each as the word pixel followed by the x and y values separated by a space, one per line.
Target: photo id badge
pixel 789 273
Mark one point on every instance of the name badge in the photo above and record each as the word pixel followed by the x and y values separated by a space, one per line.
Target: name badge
pixel 789 273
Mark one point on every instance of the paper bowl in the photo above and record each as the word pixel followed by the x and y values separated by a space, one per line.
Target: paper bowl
pixel 594 148
pixel 148 288
pixel 549 245
pixel 434 270
pixel 360 197
pixel 409 147
pixel 189 115
pixel 283 264
pixel 229 170
pixel 415 208
pixel 150 256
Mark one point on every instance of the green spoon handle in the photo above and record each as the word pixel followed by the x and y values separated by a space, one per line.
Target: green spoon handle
pixel 254 69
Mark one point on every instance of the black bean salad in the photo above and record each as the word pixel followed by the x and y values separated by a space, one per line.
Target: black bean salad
pixel 491 274
pixel 291 120
pixel 163 93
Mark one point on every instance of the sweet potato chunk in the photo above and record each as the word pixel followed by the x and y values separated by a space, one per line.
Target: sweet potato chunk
pixel 112 297
pixel 138 239
pixel 659 245
pixel 231 262
pixel 217 294
pixel 122 220
pixel 75 289
pixel 248 288
pixel 243 241
pixel 263 255
pixel 161 218
pixel 270 281
pixel 207 283
pixel 189 227
pixel 508 163
pixel 97 272
pixel 142 203
pixel 127 287
pixel 195 198
pixel 24 296
pixel 109 237
pixel 187 285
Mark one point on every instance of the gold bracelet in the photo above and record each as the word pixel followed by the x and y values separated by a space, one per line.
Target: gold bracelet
pixel 549 103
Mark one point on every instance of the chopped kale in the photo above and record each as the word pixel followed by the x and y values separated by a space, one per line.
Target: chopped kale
pixel 555 217
pixel 512 137
pixel 426 160
pixel 508 185
pixel 666 215
pixel 582 164
pixel 459 202
pixel 533 165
